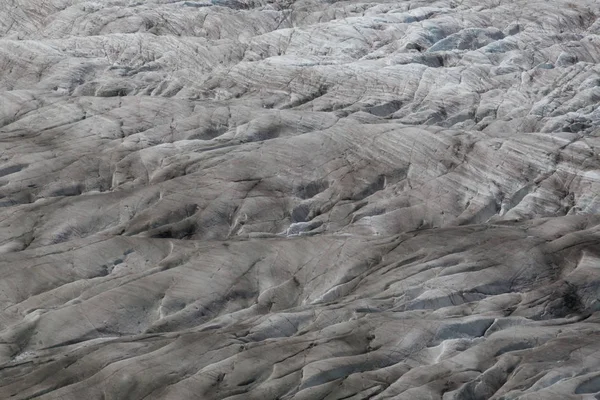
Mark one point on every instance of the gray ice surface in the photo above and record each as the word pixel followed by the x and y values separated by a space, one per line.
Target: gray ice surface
pixel 312 199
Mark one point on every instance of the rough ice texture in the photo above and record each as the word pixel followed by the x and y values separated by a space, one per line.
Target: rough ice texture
pixel 242 199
